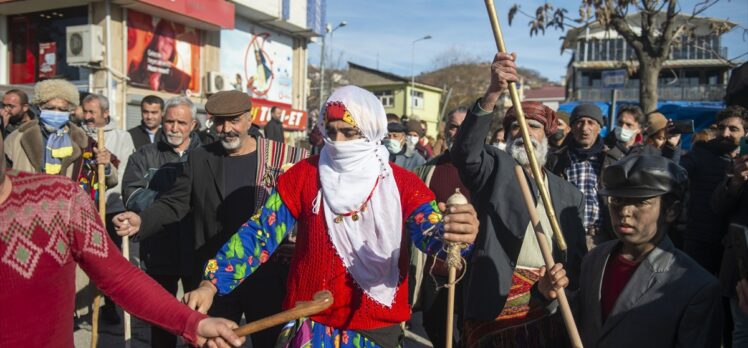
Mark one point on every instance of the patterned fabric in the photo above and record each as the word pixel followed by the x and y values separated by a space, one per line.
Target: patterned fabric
pixel 273 159
pixel 58 146
pixel 336 111
pixel 307 333
pixel 251 246
pixel 520 324
pixel 258 238
pixel 47 227
pixel 584 175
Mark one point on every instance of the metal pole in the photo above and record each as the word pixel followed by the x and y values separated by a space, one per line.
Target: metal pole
pixel 322 74
pixel 412 76
pixel 612 116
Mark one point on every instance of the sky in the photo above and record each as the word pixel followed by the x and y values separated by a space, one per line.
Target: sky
pixel 380 34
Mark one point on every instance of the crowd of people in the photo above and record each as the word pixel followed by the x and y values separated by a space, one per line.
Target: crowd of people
pixel 655 250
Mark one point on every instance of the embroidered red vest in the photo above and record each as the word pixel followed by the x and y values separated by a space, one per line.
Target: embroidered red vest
pixel 316 265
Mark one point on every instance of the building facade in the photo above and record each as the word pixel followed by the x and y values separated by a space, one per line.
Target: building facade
pixel 695 71
pixel 165 47
pixel 399 95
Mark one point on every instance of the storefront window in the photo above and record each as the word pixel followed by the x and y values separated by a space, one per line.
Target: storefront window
pixel 37 45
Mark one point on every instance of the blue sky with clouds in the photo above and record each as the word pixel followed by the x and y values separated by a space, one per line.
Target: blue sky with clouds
pixel 380 33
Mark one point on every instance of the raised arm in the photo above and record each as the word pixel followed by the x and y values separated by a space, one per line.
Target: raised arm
pixel 469 154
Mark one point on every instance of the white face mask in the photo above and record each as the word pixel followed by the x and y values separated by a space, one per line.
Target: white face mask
pixel 412 139
pixel 393 146
pixel 500 146
pixel 624 135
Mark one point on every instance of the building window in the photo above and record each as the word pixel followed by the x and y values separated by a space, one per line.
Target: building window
pixel 417 99
pixel 38 45
pixel 386 97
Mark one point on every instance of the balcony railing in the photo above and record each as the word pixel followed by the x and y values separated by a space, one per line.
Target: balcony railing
pixel 694 93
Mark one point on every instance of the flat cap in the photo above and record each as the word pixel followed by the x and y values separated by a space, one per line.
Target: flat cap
pixel 586 110
pixel 643 176
pixel 228 103
pixel 395 127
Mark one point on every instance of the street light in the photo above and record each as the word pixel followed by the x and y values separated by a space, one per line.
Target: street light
pixel 328 29
pixel 412 72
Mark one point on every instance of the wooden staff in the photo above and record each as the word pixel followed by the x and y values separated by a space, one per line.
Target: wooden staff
pixel 535 168
pixel 322 300
pixel 454 262
pixel 545 249
pixel 101 176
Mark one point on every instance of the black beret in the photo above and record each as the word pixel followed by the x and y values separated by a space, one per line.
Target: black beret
pixel 228 103
pixel 586 110
pixel 395 127
pixel 643 176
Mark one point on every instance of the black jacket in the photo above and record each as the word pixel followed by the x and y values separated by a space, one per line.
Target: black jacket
pixel 707 167
pixel 152 170
pixel 489 174
pixel 199 189
pixel 274 130
pixel 140 136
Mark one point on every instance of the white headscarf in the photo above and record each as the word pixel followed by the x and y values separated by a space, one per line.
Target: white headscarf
pixel 348 171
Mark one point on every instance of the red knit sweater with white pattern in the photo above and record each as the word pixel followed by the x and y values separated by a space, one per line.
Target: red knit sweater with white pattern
pixel 47 226
pixel 316 266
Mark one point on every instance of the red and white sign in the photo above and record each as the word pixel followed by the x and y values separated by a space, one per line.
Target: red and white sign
pixel 292 119
pixel 47 59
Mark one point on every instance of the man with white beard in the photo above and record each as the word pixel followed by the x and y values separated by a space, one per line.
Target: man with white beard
pixel 499 290
pixel 167 256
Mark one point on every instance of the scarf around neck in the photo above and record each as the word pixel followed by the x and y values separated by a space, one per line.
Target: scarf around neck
pixel 361 199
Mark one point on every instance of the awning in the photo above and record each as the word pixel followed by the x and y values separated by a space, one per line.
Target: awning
pixel 201 14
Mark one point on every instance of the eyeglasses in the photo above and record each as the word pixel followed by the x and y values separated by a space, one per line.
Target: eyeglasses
pixel 9 106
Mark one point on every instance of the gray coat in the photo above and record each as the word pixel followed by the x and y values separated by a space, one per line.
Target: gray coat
pixel 489 175
pixel 670 301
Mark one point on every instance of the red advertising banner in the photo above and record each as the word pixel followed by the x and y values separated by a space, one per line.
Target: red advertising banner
pixel 162 55
pixel 47 59
pixel 292 119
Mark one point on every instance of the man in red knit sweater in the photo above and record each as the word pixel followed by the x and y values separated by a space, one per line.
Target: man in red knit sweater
pixel 47 226
pixel 354 209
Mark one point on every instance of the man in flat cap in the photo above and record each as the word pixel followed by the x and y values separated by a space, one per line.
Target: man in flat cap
pixel 401 151
pixel 580 161
pixel 639 290
pixel 222 185
pixel 506 260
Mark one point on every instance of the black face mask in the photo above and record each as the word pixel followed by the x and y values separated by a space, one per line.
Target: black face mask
pixel 557 136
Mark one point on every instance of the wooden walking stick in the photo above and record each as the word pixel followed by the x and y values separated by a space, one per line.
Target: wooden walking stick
pixel 545 249
pixel 101 176
pixel 535 168
pixel 536 174
pixel 322 300
pixel 454 263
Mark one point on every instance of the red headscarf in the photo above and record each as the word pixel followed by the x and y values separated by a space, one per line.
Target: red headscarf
pixel 534 111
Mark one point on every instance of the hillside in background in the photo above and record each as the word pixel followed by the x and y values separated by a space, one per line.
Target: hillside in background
pixel 469 81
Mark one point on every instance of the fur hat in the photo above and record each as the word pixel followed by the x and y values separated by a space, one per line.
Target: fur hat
pixel 47 90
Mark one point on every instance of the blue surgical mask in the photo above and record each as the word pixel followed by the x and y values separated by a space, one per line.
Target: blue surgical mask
pixel 53 118
pixel 393 146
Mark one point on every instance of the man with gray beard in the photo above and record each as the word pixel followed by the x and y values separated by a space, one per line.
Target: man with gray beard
pixel 219 187
pixel 167 256
pixel 506 261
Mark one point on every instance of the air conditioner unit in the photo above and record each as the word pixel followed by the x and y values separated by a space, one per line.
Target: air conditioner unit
pixel 217 82
pixel 85 44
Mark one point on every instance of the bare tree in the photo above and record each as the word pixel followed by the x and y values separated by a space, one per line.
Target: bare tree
pixel 662 25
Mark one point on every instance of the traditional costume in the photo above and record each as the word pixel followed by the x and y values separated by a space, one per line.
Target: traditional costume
pixel 353 209
pixel 499 310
